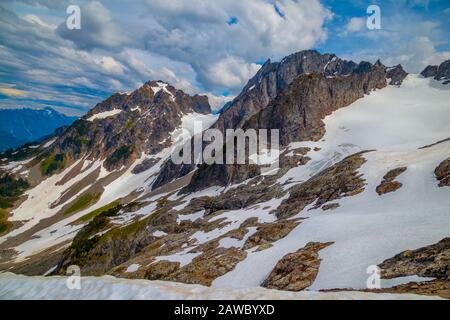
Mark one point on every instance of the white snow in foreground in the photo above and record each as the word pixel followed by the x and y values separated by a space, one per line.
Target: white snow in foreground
pixel 104 115
pixel 107 287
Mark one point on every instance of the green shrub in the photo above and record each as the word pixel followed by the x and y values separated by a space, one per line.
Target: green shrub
pixel 53 163
pixel 82 202
pixel 10 189
pixel 97 212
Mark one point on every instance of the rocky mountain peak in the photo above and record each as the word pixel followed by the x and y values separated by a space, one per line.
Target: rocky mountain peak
pixel 440 73
pixel 275 77
pixel 125 125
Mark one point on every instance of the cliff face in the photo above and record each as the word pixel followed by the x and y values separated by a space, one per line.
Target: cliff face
pixel 273 78
pixel 440 73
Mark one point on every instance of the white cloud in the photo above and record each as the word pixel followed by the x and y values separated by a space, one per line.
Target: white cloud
pixel 196 32
pixel 407 39
pixel 110 65
pixel 98 29
pixel 231 72
pixel 355 24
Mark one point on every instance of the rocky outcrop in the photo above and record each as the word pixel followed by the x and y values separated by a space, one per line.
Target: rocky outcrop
pixel 439 288
pixel 299 110
pixel 296 271
pixel 442 173
pixel 429 71
pixel 330 206
pixel 396 75
pixel 208 266
pixel 440 73
pixel 270 232
pixel 256 191
pixel 275 77
pixel 335 182
pixel 389 184
pixel 431 261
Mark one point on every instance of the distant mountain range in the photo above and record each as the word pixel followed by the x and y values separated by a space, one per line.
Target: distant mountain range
pixel 18 126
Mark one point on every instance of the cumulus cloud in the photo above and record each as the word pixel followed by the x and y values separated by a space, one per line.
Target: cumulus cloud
pixel 98 29
pixel 230 72
pixel 198 32
pixel 197 45
pixel 406 39
pixel 355 24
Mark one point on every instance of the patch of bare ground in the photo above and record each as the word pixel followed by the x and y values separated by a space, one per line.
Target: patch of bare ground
pixel 270 232
pixel 296 271
pixel 438 287
pixel 430 261
pixel 389 184
pixel 335 182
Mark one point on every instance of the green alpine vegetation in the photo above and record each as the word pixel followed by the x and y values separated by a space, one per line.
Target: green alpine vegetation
pixel 4 224
pixel 10 189
pixel 97 212
pixel 83 202
pixel 53 163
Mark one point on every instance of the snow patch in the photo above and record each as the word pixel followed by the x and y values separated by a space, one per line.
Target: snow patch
pixel 104 115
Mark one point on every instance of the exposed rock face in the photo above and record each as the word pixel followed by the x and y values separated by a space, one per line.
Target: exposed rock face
pixel 148 116
pixel 256 191
pixel 273 78
pixel 438 287
pixel 429 71
pixel 397 74
pixel 330 206
pixel 389 184
pixel 270 232
pixel 335 182
pixel 431 261
pixel 299 110
pixel 442 173
pixel 205 268
pixel 296 271
pixel 440 73
pixel 99 247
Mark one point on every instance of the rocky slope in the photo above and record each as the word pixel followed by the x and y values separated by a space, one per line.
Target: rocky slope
pixel 363 177
pixel 440 73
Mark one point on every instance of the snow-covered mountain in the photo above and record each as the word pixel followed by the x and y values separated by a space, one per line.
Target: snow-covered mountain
pixel 363 181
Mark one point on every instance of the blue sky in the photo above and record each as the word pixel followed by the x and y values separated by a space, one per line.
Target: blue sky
pixel 200 46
